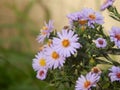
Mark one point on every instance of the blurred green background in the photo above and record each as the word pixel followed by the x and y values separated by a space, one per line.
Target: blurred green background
pixel 18 46
pixel 20 21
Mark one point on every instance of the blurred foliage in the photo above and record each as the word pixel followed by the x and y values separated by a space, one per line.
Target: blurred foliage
pixel 25 28
pixel 16 71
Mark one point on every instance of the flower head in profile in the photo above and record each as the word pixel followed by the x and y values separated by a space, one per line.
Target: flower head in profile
pixel 92 16
pixel 45 31
pixel 41 74
pixel 96 70
pixel 114 73
pixel 100 43
pixel 77 17
pixel 66 43
pixel 107 4
pixel 115 36
pixel 39 61
pixel 54 59
pixel 86 82
pixel 74 16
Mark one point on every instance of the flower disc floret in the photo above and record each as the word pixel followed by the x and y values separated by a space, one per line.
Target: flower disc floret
pixel 42 62
pixel 65 43
pixel 92 16
pixel 55 55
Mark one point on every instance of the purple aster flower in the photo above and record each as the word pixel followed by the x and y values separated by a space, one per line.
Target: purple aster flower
pixel 45 31
pixel 54 59
pixel 114 73
pixel 107 4
pixel 100 43
pixel 92 16
pixel 66 43
pixel 85 83
pixel 41 74
pixel 39 62
pixel 115 36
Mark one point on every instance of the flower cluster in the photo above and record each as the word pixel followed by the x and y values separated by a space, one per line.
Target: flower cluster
pixel 72 55
pixel 86 17
pixel 54 54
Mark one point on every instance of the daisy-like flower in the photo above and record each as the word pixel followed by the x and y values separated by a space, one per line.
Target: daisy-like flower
pixel 54 59
pixel 96 70
pixel 92 16
pixel 100 43
pixel 85 83
pixel 114 73
pixel 115 36
pixel 45 31
pixel 66 43
pixel 41 74
pixel 107 4
pixel 39 61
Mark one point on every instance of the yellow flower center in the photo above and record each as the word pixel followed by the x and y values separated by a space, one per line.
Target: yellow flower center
pixel 118 75
pixel 45 28
pixel 92 16
pixel 117 36
pixel 87 84
pixel 65 42
pixel 82 22
pixel 55 55
pixel 42 62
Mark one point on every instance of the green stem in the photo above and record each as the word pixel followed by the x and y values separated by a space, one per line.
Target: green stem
pixel 114 13
pixel 99 86
pixel 113 51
